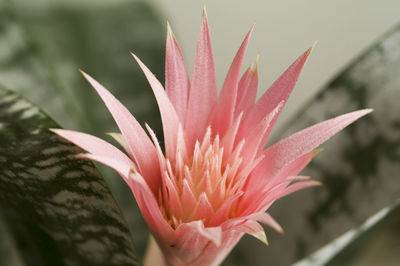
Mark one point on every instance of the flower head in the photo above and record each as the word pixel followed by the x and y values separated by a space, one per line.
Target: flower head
pixel 215 181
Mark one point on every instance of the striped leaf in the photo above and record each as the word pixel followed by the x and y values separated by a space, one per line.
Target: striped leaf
pixel 44 43
pixel 375 242
pixel 58 208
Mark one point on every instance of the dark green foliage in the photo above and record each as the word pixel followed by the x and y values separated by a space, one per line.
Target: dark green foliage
pixel 58 207
pixel 44 43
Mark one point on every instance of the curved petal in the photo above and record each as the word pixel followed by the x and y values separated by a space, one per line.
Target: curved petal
pixel 193 238
pixel 289 149
pixel 143 195
pixel 93 144
pixel 254 229
pixel 256 139
pixel 214 255
pixel 141 149
pixel 247 88
pixel 279 91
pixel 169 117
pixel 222 117
pixel 124 169
pixel 267 219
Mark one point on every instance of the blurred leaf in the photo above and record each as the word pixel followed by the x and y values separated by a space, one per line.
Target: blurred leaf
pixel 359 167
pixel 58 208
pixel 372 243
pixel 8 251
pixel 44 46
pixel 44 43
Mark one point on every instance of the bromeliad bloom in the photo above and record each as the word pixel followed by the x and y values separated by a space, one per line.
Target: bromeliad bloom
pixel 215 181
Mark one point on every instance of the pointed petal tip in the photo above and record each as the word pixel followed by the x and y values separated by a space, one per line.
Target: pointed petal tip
pixel 315 152
pixel 84 74
pixel 262 237
pixel 254 65
pixel 170 33
pixel 359 113
pixel 318 183
pixel 55 130
pixel 88 77
pixel 217 242
pixel 204 15
pixel 309 50
pixel 368 110
pixel 82 155
pixel 134 56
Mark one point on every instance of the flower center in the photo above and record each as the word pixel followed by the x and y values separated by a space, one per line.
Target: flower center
pixel 202 186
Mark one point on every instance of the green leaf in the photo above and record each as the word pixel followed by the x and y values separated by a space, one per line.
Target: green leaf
pixel 44 43
pixel 58 207
pixel 375 242
pixel 8 251
pixel 47 43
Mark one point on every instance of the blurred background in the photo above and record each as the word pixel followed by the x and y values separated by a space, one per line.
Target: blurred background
pixel 356 64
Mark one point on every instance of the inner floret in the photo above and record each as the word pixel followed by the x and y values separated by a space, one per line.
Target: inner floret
pixel 204 185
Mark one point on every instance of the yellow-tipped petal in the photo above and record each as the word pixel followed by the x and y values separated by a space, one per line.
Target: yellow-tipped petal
pixel 254 65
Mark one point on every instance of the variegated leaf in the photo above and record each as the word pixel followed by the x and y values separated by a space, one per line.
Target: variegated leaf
pixel 58 208
pixel 44 43
pixel 375 242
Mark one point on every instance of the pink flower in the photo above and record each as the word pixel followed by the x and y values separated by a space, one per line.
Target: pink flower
pixel 215 181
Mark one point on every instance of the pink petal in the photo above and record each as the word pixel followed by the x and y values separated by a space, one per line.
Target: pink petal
pixel 255 140
pixel 150 210
pixel 188 198
pixel 177 81
pixel 290 170
pixel 267 219
pixel 123 168
pixel 247 88
pixel 203 208
pixel 193 238
pixel 143 195
pixel 140 146
pixel 222 213
pixel 298 186
pixel 212 234
pixel 172 196
pixel 214 255
pixel 278 92
pixel 169 117
pixel 160 155
pixel 203 93
pixel 93 145
pixel 254 229
pixel 298 144
pixel 229 138
pixel 181 147
pixel 222 117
